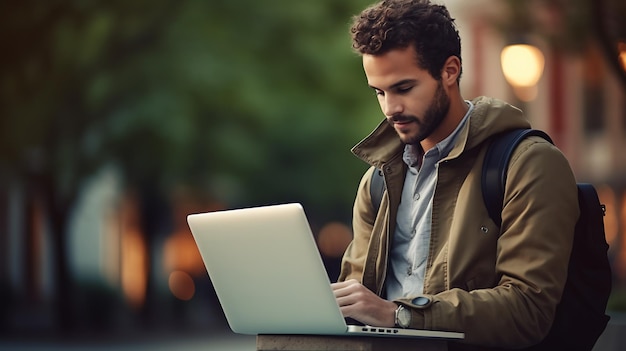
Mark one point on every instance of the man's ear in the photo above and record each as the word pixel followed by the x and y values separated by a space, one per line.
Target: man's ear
pixel 451 70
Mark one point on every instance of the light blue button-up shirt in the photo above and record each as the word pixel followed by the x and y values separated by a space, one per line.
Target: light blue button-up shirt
pixel 411 240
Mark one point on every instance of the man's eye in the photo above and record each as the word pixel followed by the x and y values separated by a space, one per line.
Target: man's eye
pixel 404 90
pixel 378 92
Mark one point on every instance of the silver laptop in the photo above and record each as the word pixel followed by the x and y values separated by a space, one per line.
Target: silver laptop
pixel 269 276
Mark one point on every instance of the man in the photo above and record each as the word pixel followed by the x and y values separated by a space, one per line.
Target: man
pixel 431 258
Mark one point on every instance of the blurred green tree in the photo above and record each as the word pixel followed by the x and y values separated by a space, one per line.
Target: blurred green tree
pixel 247 102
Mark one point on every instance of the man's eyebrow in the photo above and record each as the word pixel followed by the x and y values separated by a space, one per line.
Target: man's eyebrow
pixel 397 84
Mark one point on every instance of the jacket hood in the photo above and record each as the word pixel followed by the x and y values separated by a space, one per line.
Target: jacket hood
pixel 489 117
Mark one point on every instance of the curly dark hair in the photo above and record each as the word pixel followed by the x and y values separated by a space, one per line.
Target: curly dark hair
pixel 397 24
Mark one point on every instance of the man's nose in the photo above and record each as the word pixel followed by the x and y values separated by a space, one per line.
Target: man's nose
pixel 391 106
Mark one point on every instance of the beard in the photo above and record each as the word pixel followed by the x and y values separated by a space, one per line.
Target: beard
pixel 434 115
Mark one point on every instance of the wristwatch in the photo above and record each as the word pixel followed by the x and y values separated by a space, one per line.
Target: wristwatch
pixel 402 317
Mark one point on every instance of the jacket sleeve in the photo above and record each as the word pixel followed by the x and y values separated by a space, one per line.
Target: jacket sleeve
pixel 538 220
pixel 363 218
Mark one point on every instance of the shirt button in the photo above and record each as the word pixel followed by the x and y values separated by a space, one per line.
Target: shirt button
pixel 416 196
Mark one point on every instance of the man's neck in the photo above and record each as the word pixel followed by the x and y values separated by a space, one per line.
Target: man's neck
pixel 458 109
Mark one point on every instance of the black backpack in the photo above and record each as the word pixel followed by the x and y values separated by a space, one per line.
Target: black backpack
pixel 581 314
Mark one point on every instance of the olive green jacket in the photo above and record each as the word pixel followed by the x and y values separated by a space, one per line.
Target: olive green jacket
pixel 498 286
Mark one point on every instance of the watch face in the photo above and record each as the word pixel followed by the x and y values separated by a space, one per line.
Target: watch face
pixel 404 317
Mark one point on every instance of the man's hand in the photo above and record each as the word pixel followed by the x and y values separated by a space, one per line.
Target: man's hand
pixel 358 302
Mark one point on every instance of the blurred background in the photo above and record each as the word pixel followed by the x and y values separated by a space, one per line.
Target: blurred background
pixel 119 118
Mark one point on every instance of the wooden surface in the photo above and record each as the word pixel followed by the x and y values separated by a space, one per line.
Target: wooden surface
pixel 346 343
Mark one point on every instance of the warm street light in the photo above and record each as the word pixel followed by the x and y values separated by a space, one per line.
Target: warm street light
pixel 522 65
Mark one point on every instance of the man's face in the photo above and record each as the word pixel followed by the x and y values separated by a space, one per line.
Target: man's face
pixel 413 102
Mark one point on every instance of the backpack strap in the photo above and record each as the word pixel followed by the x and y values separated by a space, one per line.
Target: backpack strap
pixel 495 166
pixel 377 188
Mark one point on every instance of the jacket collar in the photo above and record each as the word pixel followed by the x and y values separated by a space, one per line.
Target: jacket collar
pixel 490 116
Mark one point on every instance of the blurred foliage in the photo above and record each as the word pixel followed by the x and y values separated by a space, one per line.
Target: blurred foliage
pixel 238 102
pixel 245 101
pixel 617 300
